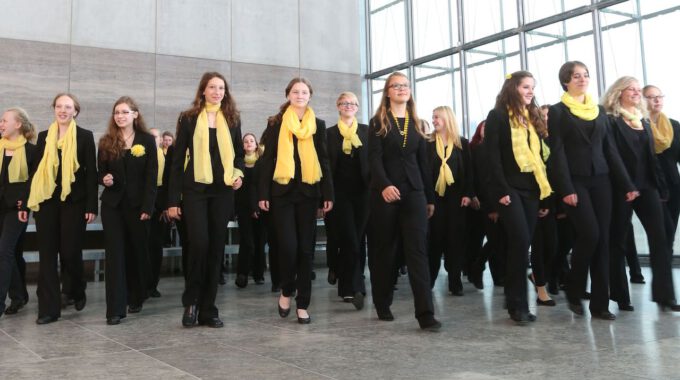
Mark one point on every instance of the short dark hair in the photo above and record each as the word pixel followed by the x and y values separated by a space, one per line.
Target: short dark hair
pixel 168 133
pixel 567 70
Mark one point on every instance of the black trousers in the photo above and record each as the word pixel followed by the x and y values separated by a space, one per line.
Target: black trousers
pixel 349 218
pixel 671 213
pixel 294 218
pixel 648 209
pixel 251 244
pixel 632 254
pixel 206 219
pixel 127 258
pixel 543 248
pixel 591 220
pixel 272 247
pixel 519 221
pixel 184 242
pixel 10 231
pixel 565 241
pixel 494 250
pixel 404 221
pixel 447 237
pixel 158 231
pixel 332 247
pixel 60 230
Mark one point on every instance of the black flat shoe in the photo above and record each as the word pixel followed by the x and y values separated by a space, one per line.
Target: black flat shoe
pixel 241 281
pixel 14 307
pixel 672 306
pixel 45 320
pixel 626 307
pixel 429 324
pixel 213 322
pixel 358 300
pixel 549 302
pixel 80 304
pixel 332 278
pixel 283 313
pixel 522 317
pixel 132 309
pixel 111 321
pixel 190 316
pixel 305 320
pixel 604 315
pixel 154 293
pixel 576 308
pixel 385 314
pixel 637 280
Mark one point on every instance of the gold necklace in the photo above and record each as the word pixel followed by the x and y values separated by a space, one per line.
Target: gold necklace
pixel 402 131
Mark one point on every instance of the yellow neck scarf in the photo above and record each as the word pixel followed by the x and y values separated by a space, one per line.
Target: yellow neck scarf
pixel 201 140
pixel 44 180
pixel 250 159
pixel 585 111
pixel 662 131
pixel 161 166
pixel 635 119
pixel 528 156
pixel 351 139
pixel 304 131
pixel 445 174
pixel 18 167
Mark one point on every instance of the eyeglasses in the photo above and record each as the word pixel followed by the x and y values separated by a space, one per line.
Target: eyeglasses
pixel 348 104
pixel 655 98
pixel 124 113
pixel 400 86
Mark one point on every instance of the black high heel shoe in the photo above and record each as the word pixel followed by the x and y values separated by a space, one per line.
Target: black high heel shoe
pixel 670 305
pixel 303 320
pixel 283 313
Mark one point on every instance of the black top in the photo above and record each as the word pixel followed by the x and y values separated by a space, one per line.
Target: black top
pixel 406 168
pixel 350 172
pixel 11 193
pixel 461 166
pixel 669 158
pixel 134 178
pixel 481 178
pixel 642 178
pixel 218 186
pixel 84 188
pixel 246 197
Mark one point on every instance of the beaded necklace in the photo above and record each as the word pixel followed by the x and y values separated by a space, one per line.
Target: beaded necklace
pixel 402 131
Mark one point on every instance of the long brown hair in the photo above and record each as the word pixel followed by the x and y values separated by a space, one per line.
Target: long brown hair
pixel 381 113
pixel 508 99
pixel 228 105
pixel 112 144
pixel 276 119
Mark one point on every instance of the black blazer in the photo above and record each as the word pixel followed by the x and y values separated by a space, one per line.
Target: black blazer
pixel 85 185
pixel 630 157
pixel 504 174
pixel 577 152
pixel 391 165
pixel 335 140
pixel 669 158
pixel 460 163
pixel 133 177
pixel 18 191
pixel 181 180
pixel 267 188
pixel 481 178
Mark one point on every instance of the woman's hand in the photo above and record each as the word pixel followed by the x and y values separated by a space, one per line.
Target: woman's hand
pixel 89 217
pixel 475 203
pixel 493 216
pixel 108 180
pixel 505 201
pixel 327 206
pixel 144 216
pixel 571 200
pixel 237 183
pixel 264 205
pixel 175 213
pixel 465 201
pixel 631 195
pixel 543 212
pixel 430 210
pixel 23 216
pixel 391 194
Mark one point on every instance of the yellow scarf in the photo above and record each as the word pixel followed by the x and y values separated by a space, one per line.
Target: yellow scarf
pixel 662 131
pixel 445 174
pixel 304 131
pixel 528 156
pixel 44 180
pixel 634 119
pixel 17 170
pixel 161 166
pixel 250 159
pixel 201 140
pixel 351 139
pixel 585 111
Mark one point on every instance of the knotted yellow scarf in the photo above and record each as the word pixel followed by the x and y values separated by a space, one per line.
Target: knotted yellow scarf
pixel 635 119
pixel 44 180
pixel 585 111
pixel 250 159
pixel 662 131
pixel 528 156
pixel 18 167
pixel 161 166
pixel 201 140
pixel 304 131
pixel 445 174
pixel 351 139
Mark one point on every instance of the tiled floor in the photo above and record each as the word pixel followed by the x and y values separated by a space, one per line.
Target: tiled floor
pixel 477 341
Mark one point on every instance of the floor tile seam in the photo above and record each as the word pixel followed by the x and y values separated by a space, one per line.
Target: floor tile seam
pixel 276 360
pixel 22 345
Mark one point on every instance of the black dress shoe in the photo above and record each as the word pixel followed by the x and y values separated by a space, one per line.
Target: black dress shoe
pixel 283 313
pixel 522 317
pixel 111 321
pixel 241 281
pixel 66 301
pixel 358 300
pixel 14 307
pixel 213 322
pixel 549 302
pixel 154 293
pixel 190 316
pixel 80 304
pixel 303 320
pixel 132 309
pixel 626 306
pixel 332 278
pixel 385 314
pixel 637 280
pixel 605 315
pixel 46 319
pixel 429 323
pixel 671 305
pixel 576 308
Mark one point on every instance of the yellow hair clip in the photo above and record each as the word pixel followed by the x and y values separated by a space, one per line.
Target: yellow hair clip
pixel 508 76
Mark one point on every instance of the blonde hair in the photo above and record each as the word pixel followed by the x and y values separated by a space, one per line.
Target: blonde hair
pixel 27 127
pixel 612 98
pixel 450 123
pixel 384 107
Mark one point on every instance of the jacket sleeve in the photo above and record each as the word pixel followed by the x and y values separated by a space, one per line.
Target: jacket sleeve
pixel 375 158
pixel 177 166
pixel 425 170
pixel 322 153
pixel 237 141
pixel 91 175
pixel 498 185
pixel 616 167
pixel 265 165
pixel 150 176
pixel 558 167
pixel 468 168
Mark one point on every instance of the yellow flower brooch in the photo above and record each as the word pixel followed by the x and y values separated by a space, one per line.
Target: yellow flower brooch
pixel 138 150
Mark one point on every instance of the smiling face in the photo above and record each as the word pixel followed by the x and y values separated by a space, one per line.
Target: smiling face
pixel 438 121
pixel 64 110
pixel 580 79
pixel 299 95
pixel 631 95
pixel 347 107
pixel 214 91
pixel 654 98
pixel 124 116
pixel 526 90
pixel 9 126
pixel 249 144
pixel 399 89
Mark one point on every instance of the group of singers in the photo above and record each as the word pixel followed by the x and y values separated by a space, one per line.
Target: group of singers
pixel 410 196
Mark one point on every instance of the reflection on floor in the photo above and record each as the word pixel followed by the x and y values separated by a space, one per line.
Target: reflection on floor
pixel 477 340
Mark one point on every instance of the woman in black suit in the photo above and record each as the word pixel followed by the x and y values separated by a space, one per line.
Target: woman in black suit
pixel 584 156
pixel 450 163
pixel 294 180
pixel 636 144
pixel 517 179
pixel 348 156
pixel 128 170
pixel 16 157
pixel 64 198
pixel 211 132
pixel 402 199
pixel 159 226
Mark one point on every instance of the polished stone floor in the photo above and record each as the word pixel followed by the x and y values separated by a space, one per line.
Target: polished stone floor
pixel 477 340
